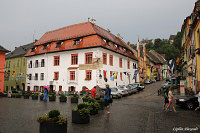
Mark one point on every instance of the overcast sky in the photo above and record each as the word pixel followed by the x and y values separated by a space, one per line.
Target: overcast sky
pixel 21 19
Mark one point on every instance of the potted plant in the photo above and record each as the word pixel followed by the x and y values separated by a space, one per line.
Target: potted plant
pixel 63 98
pixel 80 114
pixel 26 95
pixel 41 96
pixel 94 107
pixel 52 97
pixel 74 98
pixel 13 95
pixel 35 96
pixel 101 103
pixel 53 122
pixel 18 95
pixel 85 98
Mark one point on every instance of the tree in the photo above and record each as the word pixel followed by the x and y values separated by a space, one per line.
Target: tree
pixel 177 40
pixel 157 43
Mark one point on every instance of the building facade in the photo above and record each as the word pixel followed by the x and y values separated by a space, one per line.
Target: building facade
pixel 3 51
pixel 15 68
pixel 81 55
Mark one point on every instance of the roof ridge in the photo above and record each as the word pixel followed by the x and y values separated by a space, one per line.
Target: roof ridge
pixel 69 26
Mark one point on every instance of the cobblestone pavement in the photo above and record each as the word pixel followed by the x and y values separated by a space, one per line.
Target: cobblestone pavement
pixel 138 113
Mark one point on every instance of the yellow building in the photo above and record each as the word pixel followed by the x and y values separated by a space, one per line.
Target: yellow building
pixel 15 68
pixel 197 47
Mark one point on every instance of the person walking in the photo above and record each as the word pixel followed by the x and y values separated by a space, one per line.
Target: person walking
pixel 93 92
pixel 170 98
pixel 107 98
pixel 45 94
pixel 166 101
pixel 198 101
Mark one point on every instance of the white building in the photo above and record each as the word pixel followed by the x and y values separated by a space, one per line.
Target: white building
pixel 79 55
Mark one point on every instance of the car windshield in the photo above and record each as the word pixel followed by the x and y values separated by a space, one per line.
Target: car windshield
pixel 121 88
pixel 114 89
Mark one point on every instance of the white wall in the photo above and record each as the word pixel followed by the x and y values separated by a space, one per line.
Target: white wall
pixel 65 63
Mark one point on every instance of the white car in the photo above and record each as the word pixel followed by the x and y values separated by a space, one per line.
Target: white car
pixel 122 90
pixel 166 84
pixel 115 93
pixel 147 81
pixel 140 86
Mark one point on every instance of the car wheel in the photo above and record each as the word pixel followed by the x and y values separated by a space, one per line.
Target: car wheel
pixel 190 105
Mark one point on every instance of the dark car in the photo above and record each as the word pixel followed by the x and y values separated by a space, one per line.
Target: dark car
pixel 190 102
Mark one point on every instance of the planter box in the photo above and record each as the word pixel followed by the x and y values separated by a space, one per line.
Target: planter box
pixel 26 96
pixel 41 98
pixel 18 96
pixel 101 105
pixel 74 99
pixel 76 118
pixel 53 128
pixel 85 100
pixel 63 99
pixel 93 112
pixel 52 98
pixel 34 97
pixel 13 96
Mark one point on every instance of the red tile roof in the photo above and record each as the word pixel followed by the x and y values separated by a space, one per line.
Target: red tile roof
pixel 91 35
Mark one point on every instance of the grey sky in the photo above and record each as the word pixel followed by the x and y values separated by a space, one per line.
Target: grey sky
pixel 146 18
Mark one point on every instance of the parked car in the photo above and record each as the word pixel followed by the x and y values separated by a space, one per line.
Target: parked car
pixel 115 93
pixel 122 90
pixel 132 88
pixel 153 80
pixel 147 81
pixel 189 102
pixel 166 84
pixel 140 86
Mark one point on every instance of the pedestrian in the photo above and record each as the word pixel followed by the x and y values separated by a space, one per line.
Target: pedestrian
pixel 170 98
pixel 166 101
pixel 9 93
pixel 198 101
pixel 93 92
pixel 107 98
pixel 45 94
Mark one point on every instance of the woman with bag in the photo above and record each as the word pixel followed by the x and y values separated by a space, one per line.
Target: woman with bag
pixel 107 99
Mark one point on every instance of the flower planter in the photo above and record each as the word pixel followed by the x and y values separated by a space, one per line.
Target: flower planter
pixel 13 96
pixel 101 105
pixel 74 99
pixel 52 98
pixel 34 97
pixel 18 96
pixel 26 96
pixel 85 100
pixel 76 118
pixel 93 112
pixel 53 128
pixel 41 98
pixel 63 99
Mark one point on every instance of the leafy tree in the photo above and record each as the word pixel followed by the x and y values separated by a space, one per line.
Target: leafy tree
pixel 177 40
pixel 157 43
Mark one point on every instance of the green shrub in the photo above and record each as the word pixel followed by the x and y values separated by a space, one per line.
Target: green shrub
pixel 94 106
pixel 53 113
pixel 54 117
pixel 62 95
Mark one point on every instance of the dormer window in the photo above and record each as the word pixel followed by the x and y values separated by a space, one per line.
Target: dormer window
pixel 45 46
pixel 32 49
pixel 59 44
pixel 77 42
